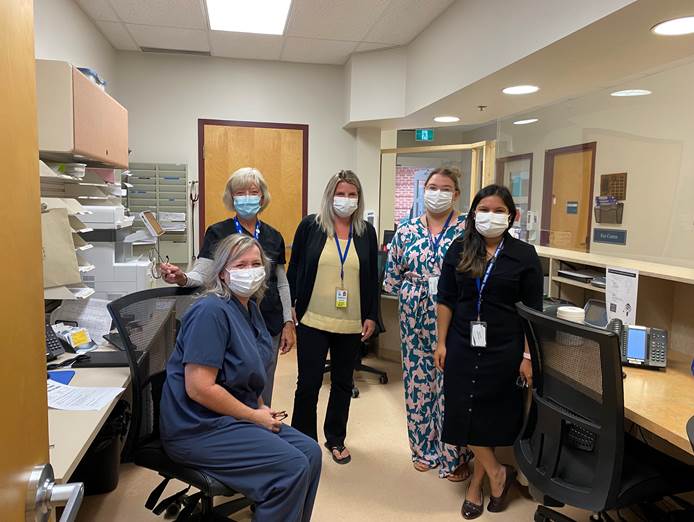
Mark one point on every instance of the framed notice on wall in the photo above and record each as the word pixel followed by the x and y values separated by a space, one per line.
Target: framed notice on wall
pixel 614 185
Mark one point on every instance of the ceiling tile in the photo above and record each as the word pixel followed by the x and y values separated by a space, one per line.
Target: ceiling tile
pixel 334 19
pixel 98 10
pixel 117 34
pixel 169 38
pixel 169 13
pixel 244 45
pixel 370 46
pixel 311 50
pixel 403 20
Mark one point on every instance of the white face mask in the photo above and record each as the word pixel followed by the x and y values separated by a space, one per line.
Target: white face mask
pixel 490 224
pixel 344 207
pixel 245 282
pixel 437 201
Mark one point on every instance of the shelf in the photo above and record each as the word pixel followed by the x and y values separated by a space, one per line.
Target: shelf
pixel 571 282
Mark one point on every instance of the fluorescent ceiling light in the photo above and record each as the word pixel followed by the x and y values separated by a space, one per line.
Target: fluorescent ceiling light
pixel 676 27
pixel 525 122
pixel 521 89
pixel 248 16
pixel 631 92
pixel 446 119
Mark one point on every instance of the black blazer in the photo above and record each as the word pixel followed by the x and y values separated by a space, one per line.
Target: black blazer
pixel 309 241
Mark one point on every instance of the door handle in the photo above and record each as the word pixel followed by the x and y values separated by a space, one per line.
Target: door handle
pixel 44 494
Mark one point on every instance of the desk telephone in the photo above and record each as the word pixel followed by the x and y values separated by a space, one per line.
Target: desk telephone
pixel 641 346
pixel 54 346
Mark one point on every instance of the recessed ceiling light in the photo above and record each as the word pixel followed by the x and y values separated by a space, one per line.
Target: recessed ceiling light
pixel 248 16
pixel 525 122
pixel 631 92
pixel 675 27
pixel 446 119
pixel 521 89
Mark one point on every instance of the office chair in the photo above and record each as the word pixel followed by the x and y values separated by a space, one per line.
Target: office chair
pixel 572 448
pixel 690 431
pixel 364 348
pixel 147 322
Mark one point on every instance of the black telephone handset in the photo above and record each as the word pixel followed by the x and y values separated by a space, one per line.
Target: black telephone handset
pixel 641 346
pixel 54 347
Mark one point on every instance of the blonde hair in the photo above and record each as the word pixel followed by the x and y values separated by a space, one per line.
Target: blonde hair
pixel 243 178
pixel 326 216
pixel 229 249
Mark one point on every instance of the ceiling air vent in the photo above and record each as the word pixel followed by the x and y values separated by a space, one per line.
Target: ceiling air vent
pixel 174 51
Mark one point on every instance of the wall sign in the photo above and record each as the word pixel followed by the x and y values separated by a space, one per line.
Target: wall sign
pixel 610 236
pixel 424 135
pixel 572 207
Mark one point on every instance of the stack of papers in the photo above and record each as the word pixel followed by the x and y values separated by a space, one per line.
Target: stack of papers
pixel 172 221
pixel 80 398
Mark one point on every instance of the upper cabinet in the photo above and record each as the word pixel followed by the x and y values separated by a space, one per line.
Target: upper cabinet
pixel 77 120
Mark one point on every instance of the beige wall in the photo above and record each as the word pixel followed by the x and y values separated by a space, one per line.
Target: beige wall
pixel 651 138
pixel 63 32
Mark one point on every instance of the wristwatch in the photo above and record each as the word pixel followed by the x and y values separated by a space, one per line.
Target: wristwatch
pixel 526 355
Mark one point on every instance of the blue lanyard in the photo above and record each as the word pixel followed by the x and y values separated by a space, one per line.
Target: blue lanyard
pixel 240 229
pixel 481 285
pixel 342 257
pixel 434 243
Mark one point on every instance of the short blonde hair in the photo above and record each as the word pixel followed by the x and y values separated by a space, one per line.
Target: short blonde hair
pixel 243 178
pixel 326 216
pixel 229 249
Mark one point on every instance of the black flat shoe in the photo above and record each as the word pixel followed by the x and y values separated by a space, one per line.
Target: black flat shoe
pixel 498 504
pixel 470 510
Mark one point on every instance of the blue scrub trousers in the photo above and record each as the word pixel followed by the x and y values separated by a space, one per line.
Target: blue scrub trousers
pixel 277 471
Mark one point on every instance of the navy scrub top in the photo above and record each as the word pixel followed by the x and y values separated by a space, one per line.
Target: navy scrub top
pixel 220 334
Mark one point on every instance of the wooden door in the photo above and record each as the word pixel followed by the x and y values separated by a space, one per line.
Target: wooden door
pixel 24 432
pixel 568 197
pixel 279 151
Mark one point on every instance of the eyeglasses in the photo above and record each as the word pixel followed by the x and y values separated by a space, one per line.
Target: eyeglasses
pixel 155 260
pixel 280 415
pixel 521 382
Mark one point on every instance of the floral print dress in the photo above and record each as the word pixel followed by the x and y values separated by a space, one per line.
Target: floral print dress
pixel 412 262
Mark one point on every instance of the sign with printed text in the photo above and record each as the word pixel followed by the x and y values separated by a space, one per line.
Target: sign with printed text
pixel 424 134
pixel 610 236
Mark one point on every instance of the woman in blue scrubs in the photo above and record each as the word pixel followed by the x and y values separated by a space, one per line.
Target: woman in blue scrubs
pixel 212 413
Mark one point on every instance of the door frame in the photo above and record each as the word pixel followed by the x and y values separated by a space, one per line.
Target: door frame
pixel 501 162
pixel 546 220
pixel 259 124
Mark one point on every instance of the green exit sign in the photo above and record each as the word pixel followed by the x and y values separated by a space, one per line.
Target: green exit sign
pixel 424 134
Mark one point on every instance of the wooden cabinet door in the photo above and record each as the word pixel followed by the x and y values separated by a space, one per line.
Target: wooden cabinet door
pixel 101 123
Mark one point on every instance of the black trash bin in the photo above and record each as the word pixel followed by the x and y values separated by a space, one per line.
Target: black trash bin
pixel 101 463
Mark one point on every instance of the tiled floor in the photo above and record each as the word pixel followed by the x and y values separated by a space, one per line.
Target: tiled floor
pixel 378 485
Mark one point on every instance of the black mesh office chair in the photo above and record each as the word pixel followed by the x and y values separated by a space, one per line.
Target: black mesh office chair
pixel 573 448
pixel 690 431
pixel 147 323
pixel 359 366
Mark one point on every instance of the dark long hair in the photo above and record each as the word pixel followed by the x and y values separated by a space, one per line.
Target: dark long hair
pixel 474 256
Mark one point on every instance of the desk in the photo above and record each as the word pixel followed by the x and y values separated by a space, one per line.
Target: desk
pixel 662 402
pixel 70 433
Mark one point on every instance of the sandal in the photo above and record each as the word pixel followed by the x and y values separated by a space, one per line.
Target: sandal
pixel 422 467
pixel 461 473
pixel 339 448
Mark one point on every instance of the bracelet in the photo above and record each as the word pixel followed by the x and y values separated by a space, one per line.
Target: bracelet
pixel 185 283
pixel 526 355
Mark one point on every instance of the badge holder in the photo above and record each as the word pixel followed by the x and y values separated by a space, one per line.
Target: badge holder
pixel 340 298
pixel 478 334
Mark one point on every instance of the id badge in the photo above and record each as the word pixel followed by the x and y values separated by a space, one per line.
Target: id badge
pixel 340 298
pixel 433 285
pixel 478 334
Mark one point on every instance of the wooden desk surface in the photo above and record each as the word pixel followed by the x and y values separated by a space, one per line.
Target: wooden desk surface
pixel 70 433
pixel 662 402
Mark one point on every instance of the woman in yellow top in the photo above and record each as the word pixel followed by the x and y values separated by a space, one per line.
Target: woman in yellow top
pixel 333 278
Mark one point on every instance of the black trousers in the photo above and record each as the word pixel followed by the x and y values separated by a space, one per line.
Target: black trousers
pixel 312 351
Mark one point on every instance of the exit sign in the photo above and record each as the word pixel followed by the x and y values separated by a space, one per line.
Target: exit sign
pixel 424 134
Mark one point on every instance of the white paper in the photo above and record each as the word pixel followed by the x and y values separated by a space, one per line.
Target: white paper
pixel 172 216
pixel 622 287
pixel 91 314
pixel 77 398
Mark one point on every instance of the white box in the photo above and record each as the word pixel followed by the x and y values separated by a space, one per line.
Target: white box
pixel 111 214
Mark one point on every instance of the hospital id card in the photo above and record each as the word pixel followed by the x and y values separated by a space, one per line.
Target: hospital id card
pixel 340 298
pixel 478 334
pixel 433 286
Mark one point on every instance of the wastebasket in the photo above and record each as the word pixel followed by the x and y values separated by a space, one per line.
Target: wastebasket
pixel 101 463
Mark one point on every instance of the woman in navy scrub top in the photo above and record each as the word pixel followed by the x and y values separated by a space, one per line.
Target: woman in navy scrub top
pixel 481 346
pixel 212 413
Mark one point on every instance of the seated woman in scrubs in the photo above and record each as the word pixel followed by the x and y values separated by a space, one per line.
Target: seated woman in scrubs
pixel 212 413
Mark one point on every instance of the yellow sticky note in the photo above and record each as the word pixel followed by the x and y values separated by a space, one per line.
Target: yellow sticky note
pixel 79 338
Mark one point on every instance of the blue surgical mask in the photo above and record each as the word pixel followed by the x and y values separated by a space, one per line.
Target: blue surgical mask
pixel 247 206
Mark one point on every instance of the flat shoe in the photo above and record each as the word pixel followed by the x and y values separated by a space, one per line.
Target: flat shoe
pixel 339 448
pixel 498 504
pixel 470 510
